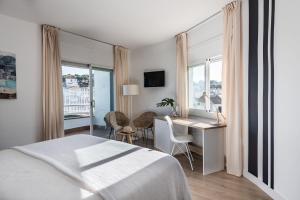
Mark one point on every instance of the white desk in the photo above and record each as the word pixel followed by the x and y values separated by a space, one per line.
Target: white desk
pixel 210 137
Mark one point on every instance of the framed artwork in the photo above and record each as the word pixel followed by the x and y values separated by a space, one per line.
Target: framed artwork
pixel 8 75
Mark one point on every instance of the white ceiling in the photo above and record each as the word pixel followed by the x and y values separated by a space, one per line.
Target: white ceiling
pixel 130 23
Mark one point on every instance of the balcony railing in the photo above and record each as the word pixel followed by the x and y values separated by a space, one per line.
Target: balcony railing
pixel 77 109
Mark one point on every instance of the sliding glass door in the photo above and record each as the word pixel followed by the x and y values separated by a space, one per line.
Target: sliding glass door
pixel 76 93
pixel 102 97
pixel 88 96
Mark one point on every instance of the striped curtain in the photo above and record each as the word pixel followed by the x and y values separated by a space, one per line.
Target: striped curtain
pixel 261 90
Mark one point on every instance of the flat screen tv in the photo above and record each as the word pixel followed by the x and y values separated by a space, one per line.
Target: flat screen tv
pixel 154 79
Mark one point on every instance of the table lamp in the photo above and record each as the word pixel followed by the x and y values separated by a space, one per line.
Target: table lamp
pixel 218 112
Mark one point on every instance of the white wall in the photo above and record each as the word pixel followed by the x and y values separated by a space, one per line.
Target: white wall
pixel 287 98
pixel 160 56
pixel 21 119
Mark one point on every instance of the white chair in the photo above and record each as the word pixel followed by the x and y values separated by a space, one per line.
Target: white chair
pixel 180 141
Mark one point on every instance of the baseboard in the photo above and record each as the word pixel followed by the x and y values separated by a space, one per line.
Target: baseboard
pixel 77 129
pixel 82 128
pixel 99 127
pixel 273 194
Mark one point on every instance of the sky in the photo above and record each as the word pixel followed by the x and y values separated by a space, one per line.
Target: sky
pixel 215 72
pixel 198 73
pixel 74 70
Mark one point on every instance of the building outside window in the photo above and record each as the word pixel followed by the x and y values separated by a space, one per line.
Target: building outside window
pixel 76 91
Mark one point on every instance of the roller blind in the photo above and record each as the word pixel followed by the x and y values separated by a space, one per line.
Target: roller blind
pixel 82 50
pixel 205 41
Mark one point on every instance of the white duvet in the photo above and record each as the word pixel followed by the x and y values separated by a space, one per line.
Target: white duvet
pixel 87 167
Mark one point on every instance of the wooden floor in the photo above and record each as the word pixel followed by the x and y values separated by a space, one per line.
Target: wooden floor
pixel 215 186
pixel 218 185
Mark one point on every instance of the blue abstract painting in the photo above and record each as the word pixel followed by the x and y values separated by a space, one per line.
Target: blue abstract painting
pixel 8 75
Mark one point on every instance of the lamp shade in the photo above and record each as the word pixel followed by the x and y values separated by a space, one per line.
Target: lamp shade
pixel 130 90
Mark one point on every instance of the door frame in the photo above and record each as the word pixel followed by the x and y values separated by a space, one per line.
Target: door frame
pixel 92 67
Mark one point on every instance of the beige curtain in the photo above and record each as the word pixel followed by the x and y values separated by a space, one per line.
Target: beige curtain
pixel 53 120
pixel 181 83
pixel 121 72
pixel 233 87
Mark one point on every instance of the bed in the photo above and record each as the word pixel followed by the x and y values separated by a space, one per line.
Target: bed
pixel 84 167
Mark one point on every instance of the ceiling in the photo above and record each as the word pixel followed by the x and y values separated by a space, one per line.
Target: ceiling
pixel 130 23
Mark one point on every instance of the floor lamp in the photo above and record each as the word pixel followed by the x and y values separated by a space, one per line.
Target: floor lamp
pixel 130 90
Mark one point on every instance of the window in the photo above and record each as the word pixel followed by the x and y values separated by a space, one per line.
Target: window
pixel 215 84
pixel 205 85
pixel 76 91
pixel 87 93
pixel 197 86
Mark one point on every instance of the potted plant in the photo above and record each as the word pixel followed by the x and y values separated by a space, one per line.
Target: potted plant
pixel 168 102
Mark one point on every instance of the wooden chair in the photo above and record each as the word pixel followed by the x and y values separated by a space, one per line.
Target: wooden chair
pixel 115 121
pixel 108 126
pixel 144 122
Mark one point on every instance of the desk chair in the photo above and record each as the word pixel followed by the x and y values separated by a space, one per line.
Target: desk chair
pixel 180 141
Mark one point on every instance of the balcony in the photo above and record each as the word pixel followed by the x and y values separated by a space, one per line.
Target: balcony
pixel 76 111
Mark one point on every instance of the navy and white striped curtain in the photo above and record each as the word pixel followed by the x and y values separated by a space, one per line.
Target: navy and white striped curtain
pixel 261 90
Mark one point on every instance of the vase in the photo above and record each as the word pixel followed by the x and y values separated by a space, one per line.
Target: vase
pixel 174 112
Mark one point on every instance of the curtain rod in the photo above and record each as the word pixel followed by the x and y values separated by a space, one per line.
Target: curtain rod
pixel 202 22
pixel 85 37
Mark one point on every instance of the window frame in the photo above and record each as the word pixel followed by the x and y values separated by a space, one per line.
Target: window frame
pixel 207 112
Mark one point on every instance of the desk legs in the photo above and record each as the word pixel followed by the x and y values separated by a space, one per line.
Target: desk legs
pixel 213 150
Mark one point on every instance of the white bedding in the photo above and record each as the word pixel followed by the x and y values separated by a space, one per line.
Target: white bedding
pixel 87 167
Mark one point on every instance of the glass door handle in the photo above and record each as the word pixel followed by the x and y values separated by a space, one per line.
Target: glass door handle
pixel 93 103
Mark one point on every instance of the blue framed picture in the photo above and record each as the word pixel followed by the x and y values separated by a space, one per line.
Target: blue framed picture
pixel 8 75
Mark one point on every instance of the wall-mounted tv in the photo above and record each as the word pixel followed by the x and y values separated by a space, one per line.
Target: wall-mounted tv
pixel 154 79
